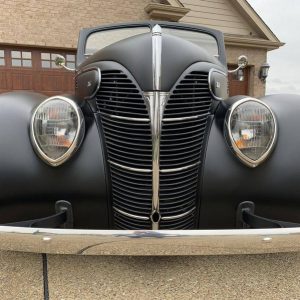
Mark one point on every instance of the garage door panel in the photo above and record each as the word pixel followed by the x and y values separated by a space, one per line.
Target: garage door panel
pixel 34 70
pixel 21 81
pixel 70 82
pixel 53 83
pixel 56 83
pixel 4 81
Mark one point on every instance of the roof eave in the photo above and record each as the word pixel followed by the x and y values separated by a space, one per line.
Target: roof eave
pixel 240 41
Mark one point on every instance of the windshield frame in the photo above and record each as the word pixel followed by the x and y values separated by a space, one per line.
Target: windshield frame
pixel 85 33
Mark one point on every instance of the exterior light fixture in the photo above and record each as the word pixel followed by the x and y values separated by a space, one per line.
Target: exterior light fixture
pixel 57 129
pixel 251 130
pixel 264 71
pixel 240 75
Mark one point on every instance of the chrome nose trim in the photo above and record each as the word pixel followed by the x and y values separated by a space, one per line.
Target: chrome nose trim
pixel 155 111
pixel 156 57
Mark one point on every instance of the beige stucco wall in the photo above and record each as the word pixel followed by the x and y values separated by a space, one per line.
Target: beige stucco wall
pixel 56 23
pixel 256 57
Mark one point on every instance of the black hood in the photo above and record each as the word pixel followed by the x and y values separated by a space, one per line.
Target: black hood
pixel 135 54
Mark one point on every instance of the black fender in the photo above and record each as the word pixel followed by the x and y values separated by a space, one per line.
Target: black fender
pixel 29 187
pixel 274 186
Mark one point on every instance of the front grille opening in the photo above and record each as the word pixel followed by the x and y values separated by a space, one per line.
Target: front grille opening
pixel 127 132
pixel 182 145
pixel 190 97
pixel 119 96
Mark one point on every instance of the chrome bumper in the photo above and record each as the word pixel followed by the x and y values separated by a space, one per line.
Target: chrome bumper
pixel 160 242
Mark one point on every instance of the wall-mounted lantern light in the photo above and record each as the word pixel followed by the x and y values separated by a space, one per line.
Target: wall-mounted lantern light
pixel 264 72
pixel 240 75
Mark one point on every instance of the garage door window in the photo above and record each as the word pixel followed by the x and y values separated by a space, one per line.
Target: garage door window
pixel 70 60
pixel 2 60
pixel 21 59
pixel 48 60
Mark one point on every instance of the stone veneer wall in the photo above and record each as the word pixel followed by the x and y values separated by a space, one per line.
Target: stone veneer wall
pixel 56 23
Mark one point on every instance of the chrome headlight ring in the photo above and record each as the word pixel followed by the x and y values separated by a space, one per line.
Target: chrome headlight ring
pixel 57 129
pixel 251 130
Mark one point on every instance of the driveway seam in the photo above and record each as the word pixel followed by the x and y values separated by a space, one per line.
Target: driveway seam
pixel 45 276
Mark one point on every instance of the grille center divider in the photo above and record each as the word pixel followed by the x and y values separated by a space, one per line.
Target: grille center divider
pixel 155 103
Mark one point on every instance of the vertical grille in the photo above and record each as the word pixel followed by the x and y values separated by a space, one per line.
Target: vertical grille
pixel 191 97
pixel 127 132
pixel 128 140
pixel 132 192
pixel 183 131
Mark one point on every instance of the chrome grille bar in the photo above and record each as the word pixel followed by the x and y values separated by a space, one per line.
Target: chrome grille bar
pixel 129 168
pixel 126 118
pixel 130 215
pixel 180 169
pixel 179 216
pixel 183 118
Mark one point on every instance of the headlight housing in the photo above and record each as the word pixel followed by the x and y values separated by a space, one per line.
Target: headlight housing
pixel 57 129
pixel 251 130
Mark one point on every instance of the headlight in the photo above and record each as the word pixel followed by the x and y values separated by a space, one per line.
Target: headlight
pixel 57 129
pixel 251 130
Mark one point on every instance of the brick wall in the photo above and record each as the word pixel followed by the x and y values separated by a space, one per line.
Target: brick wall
pixel 256 57
pixel 56 23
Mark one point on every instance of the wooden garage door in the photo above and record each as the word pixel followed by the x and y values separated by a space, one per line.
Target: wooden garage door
pixel 34 70
pixel 237 87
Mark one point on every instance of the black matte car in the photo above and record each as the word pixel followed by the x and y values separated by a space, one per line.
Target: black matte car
pixel 150 146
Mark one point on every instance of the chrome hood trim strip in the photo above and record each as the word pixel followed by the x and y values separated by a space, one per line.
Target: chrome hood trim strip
pixel 148 242
pixel 156 57
pixel 155 111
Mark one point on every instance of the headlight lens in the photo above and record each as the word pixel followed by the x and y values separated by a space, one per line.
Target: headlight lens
pixel 251 130
pixel 57 129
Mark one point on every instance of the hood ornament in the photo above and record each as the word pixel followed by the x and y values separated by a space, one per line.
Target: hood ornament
pixel 156 56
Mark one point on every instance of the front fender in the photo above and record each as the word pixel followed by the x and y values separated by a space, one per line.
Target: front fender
pixel 273 186
pixel 29 187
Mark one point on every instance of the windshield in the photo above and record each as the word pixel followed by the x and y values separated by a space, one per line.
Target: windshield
pixel 98 40
pixel 204 40
pixel 101 39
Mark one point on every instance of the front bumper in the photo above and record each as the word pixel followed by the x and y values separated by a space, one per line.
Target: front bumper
pixel 160 242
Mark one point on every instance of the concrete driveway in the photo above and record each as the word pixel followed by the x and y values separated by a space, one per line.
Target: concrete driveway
pixel 274 276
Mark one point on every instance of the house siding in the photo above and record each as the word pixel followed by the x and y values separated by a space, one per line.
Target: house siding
pixel 218 14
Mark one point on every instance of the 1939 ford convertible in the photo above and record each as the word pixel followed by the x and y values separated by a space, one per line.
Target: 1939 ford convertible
pixel 150 156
